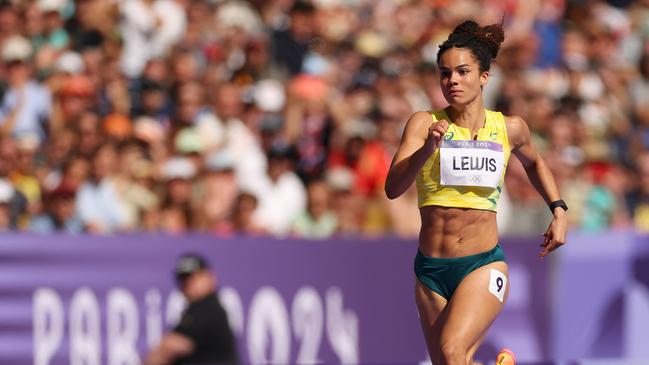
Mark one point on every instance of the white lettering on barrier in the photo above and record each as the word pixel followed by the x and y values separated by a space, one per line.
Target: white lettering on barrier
pixel 85 348
pixel 268 322
pixel 153 302
pixel 233 306
pixel 176 302
pixel 122 328
pixel 342 327
pixel 48 324
pixel 268 335
pixel 308 322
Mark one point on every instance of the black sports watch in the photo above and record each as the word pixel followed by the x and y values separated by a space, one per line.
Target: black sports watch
pixel 558 203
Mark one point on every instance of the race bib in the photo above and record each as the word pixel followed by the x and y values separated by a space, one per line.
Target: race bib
pixel 471 163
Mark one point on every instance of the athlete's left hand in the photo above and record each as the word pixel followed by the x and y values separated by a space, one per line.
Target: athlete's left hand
pixel 555 236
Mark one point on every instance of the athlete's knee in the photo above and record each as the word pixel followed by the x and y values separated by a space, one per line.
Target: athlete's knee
pixel 454 351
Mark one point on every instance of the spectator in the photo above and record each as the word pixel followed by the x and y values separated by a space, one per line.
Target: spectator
pixel 134 183
pixel 98 203
pixel 150 28
pixel 347 205
pixel 281 194
pixel 639 197
pixel 241 218
pixel 218 189
pixel 6 194
pixel 26 104
pixel 291 44
pixel 203 335
pixel 178 174
pixel 331 79
pixel 318 220
pixel 154 102
pixel 59 214
pixel 53 35
pixel 23 176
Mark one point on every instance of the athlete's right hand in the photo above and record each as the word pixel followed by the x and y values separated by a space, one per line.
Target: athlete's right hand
pixel 436 132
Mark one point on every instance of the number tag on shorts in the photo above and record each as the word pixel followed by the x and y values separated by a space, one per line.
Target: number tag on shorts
pixel 497 284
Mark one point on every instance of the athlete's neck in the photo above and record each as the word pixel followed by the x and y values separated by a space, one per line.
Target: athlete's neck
pixel 471 116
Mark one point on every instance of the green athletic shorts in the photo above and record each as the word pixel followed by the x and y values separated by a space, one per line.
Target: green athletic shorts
pixel 443 275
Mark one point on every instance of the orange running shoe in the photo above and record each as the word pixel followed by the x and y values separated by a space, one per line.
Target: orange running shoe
pixel 505 357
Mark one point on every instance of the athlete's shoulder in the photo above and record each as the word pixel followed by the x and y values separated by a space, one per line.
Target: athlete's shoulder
pixel 422 118
pixel 418 124
pixel 514 121
pixel 517 129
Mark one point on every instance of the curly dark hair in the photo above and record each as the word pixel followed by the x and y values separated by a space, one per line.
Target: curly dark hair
pixel 483 42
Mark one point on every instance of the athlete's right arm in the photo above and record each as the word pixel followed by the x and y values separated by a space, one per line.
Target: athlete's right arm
pixel 419 141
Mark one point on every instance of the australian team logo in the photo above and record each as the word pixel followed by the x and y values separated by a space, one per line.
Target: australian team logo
pixel 448 136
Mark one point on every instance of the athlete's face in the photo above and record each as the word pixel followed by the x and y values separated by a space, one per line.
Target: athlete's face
pixel 460 77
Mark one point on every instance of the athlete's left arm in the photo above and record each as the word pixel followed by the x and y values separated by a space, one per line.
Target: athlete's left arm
pixel 541 177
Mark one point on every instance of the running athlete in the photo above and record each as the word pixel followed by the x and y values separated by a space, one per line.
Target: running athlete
pixel 458 157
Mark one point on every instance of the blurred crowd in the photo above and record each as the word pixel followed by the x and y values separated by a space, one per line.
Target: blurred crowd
pixel 281 117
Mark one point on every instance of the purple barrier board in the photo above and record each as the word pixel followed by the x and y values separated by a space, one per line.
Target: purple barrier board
pixel 107 300
pixel 600 299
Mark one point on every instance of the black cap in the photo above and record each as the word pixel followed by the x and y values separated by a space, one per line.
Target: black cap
pixel 302 7
pixel 188 264
pixel 281 150
pixel 151 85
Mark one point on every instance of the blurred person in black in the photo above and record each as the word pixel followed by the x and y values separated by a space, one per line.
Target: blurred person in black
pixel 203 335
pixel 290 44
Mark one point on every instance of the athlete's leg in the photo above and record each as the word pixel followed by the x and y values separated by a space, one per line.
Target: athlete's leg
pixel 471 311
pixel 474 348
pixel 432 316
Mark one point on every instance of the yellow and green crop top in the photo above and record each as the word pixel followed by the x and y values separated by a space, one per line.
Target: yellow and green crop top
pixel 466 173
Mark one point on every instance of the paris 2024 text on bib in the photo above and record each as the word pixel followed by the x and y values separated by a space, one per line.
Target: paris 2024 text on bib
pixel 471 163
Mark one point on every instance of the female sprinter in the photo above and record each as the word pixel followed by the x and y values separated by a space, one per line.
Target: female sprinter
pixel 458 157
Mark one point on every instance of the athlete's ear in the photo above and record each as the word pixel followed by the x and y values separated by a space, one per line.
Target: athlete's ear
pixel 484 77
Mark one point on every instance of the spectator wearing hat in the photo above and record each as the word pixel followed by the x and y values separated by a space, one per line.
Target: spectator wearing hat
pixel 53 35
pixel 203 335
pixel 177 213
pixel 348 206
pixel 153 101
pixel 66 65
pixel 134 182
pixel 76 97
pixel 23 176
pixel 217 189
pixel 117 127
pixel 59 213
pixel 26 105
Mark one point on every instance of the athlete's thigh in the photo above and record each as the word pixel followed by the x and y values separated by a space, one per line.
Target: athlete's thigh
pixel 432 315
pixel 475 304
